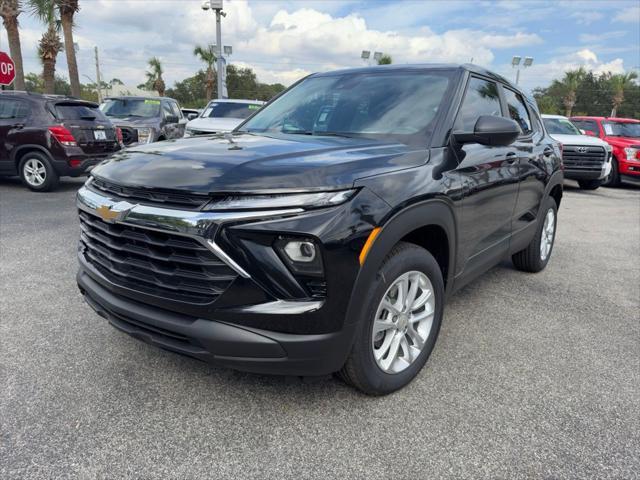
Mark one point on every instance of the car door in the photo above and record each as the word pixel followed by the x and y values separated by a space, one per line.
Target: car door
pixel 182 121
pixel 13 114
pixel 533 149
pixel 489 175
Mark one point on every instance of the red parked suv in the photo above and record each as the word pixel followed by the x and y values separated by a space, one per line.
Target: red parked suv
pixel 623 134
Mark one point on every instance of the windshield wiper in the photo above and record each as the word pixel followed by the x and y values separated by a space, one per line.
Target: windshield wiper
pixel 316 134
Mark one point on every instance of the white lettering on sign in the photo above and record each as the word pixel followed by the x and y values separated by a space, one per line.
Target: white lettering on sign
pixel 6 68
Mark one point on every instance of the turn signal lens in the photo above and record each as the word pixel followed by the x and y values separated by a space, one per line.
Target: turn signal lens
pixel 62 135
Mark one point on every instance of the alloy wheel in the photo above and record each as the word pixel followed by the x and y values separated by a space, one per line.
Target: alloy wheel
pixel 548 231
pixel 35 173
pixel 403 322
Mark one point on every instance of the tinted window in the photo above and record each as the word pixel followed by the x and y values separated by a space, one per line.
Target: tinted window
pixel 13 109
pixel 146 108
pixel 78 112
pixel 621 129
pixel 230 110
pixel 176 109
pixel 481 99
pixel 587 125
pixel 518 111
pixel 560 126
pixel 398 105
pixel 166 109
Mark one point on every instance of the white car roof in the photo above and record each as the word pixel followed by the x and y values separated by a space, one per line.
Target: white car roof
pixel 545 115
pixel 237 100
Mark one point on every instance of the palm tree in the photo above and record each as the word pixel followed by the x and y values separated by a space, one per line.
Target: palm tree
pixel 385 60
pixel 571 82
pixel 208 56
pixel 67 9
pixel 619 82
pixel 154 77
pixel 50 44
pixel 9 11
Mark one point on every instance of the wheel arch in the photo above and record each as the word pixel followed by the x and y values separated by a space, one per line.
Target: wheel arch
pixel 426 224
pixel 19 152
pixel 555 187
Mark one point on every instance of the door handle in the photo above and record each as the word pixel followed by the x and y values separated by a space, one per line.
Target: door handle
pixel 547 152
pixel 18 126
pixel 511 157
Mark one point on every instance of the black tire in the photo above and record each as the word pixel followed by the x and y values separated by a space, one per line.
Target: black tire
pixel 589 184
pixel 361 369
pixel 530 259
pixel 28 161
pixel 613 179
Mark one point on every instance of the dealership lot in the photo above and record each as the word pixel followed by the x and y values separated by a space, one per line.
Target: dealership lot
pixel 533 375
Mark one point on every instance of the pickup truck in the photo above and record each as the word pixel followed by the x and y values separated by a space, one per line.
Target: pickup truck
pixel 325 233
pixel 623 134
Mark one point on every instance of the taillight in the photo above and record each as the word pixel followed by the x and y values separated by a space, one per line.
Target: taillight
pixel 119 135
pixel 64 136
pixel 75 162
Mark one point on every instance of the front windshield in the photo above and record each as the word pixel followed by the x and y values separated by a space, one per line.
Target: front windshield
pixel 560 126
pixel 230 110
pixel 146 108
pixel 622 129
pixel 388 105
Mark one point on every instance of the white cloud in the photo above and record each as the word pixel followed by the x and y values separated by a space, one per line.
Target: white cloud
pixel 600 37
pixel 629 15
pixel 587 17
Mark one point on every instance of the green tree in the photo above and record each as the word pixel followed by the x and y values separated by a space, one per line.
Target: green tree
pixel 385 60
pixel 67 9
pixel 571 82
pixel 154 76
pixel 9 11
pixel 208 57
pixel 619 83
pixel 50 44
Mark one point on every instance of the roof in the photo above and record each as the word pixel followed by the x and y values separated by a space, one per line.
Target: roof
pixel 612 119
pixel 136 97
pixel 546 115
pixel 237 100
pixel 470 67
pixel 46 96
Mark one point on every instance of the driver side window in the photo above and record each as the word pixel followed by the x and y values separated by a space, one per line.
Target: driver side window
pixel 481 98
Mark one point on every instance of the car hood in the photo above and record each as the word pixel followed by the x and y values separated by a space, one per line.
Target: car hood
pixel 255 163
pixel 133 122
pixel 623 141
pixel 579 140
pixel 214 124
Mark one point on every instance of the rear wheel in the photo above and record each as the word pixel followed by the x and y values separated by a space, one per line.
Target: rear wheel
pixel 536 256
pixel 403 316
pixel 613 179
pixel 37 173
pixel 589 184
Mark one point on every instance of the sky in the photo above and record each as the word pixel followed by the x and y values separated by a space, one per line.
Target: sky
pixel 286 40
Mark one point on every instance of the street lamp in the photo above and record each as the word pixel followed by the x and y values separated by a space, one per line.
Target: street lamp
pixel 515 63
pixel 216 6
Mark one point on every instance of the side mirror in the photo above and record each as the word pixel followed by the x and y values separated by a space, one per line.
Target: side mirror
pixel 591 133
pixel 492 131
pixel 171 119
pixel 191 116
pixel 582 132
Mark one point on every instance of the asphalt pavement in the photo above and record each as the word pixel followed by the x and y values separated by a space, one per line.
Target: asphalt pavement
pixel 533 376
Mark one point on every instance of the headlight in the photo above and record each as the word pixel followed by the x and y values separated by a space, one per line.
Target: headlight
pixel 188 132
pixel 280 201
pixel 632 153
pixel 145 135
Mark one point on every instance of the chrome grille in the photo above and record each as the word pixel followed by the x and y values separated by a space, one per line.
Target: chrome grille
pixel 160 264
pixel 577 157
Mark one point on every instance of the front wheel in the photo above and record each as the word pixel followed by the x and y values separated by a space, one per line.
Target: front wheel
pixel 613 179
pixel 403 314
pixel 536 256
pixel 589 184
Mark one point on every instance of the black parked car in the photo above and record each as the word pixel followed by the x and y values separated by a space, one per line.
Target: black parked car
pixel 325 234
pixel 145 119
pixel 44 137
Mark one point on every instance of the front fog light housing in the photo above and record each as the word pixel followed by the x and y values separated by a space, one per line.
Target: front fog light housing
pixel 302 255
pixel 300 251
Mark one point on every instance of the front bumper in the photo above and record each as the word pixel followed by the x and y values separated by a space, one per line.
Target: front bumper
pixel 217 342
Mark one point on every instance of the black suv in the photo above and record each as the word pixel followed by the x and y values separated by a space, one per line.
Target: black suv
pixel 44 137
pixel 145 119
pixel 326 232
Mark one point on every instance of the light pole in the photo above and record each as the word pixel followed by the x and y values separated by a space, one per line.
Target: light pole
pixel 515 63
pixel 216 6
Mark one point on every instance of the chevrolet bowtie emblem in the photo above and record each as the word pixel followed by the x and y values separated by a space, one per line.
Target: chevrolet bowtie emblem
pixel 115 212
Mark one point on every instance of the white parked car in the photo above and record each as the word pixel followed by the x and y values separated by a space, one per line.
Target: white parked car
pixel 586 159
pixel 222 115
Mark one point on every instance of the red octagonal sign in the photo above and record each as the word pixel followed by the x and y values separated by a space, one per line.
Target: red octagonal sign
pixel 7 69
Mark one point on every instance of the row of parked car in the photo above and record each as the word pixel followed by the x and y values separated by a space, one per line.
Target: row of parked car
pixel 44 137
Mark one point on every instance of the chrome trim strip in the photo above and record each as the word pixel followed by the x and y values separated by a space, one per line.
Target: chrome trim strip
pixel 283 307
pixel 201 226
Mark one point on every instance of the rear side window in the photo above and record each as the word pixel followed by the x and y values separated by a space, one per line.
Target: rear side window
pixel 481 99
pixel 518 111
pixel 10 108
pixel 78 112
